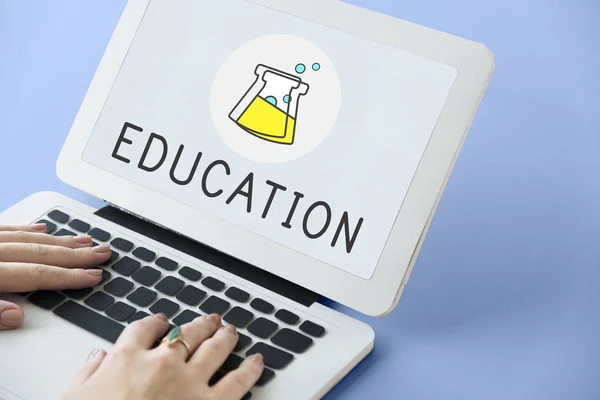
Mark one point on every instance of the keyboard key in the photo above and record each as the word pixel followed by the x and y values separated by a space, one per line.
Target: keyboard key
pixel 265 377
pixel 233 362
pixel 213 284
pixel 292 340
pixel 185 317
pixel 105 276
pixel 120 311
pixel 78 294
pixel 237 294
pixel 50 226
pixel 217 376
pixel 146 276
pixel 191 295
pixel 287 317
pixel 262 306
pixel 58 216
pixel 122 244
pixel 190 273
pixel 138 315
pixel 46 299
pixel 144 254
pixel 166 263
pixel 99 234
pixel 79 225
pixel 165 306
pixel 214 305
pixel 262 327
pixel 113 257
pixel 243 342
pixel 65 232
pixel 118 286
pixel 169 286
pixel 99 301
pixel 126 266
pixel 89 320
pixel 142 296
pixel 312 329
pixel 274 357
pixel 239 317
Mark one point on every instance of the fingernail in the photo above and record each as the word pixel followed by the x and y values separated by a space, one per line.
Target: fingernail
pixel 162 316
pixel 39 227
pixel 93 354
pixel 230 329
pixel 216 318
pixel 11 318
pixel 103 248
pixel 84 239
pixel 257 358
pixel 94 272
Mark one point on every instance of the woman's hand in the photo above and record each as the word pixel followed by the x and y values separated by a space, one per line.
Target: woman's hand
pixel 135 371
pixel 32 260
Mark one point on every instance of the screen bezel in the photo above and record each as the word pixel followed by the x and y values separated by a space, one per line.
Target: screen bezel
pixel 474 63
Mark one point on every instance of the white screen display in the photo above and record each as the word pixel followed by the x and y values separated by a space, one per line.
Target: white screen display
pixel 303 134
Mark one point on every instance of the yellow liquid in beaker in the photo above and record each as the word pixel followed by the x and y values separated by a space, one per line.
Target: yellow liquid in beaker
pixel 268 122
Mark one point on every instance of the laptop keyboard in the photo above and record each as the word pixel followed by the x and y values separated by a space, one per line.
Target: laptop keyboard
pixel 138 281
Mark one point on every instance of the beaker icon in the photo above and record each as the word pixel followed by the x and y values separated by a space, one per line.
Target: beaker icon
pixel 269 109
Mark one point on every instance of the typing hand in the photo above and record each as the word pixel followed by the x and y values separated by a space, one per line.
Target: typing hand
pixel 136 371
pixel 32 260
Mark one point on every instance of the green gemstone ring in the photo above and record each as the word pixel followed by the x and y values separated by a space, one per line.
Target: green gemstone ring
pixel 174 336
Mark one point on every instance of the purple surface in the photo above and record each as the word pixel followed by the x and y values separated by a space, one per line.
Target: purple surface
pixel 504 302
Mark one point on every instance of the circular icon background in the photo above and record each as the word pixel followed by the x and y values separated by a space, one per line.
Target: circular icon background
pixel 275 98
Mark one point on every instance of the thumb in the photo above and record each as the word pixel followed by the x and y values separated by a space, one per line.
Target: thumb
pixel 92 363
pixel 11 315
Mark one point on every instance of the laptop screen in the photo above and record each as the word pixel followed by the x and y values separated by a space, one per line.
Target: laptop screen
pixel 305 135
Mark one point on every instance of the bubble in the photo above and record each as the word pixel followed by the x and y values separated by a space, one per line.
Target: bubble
pixel 286 98
pixel 300 68
pixel 271 100
pixel 316 66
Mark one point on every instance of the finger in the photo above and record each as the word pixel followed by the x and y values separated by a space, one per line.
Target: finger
pixel 24 228
pixel 194 333
pixel 54 255
pixel 92 363
pixel 42 238
pixel 213 352
pixel 11 315
pixel 144 333
pixel 21 277
pixel 238 382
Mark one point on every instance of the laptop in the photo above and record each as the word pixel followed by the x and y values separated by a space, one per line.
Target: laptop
pixel 254 156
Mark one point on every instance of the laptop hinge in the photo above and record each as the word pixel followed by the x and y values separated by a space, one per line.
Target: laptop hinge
pixel 208 254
